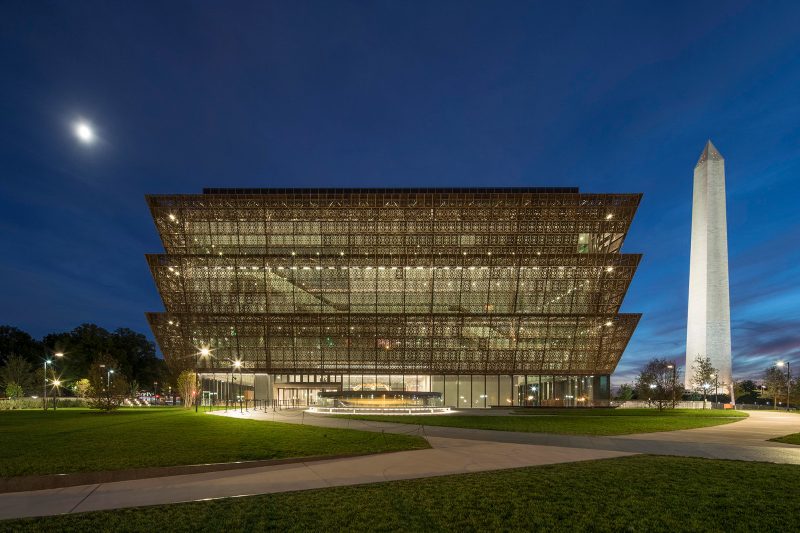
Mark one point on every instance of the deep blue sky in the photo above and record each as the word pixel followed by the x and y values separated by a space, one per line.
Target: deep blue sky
pixel 607 96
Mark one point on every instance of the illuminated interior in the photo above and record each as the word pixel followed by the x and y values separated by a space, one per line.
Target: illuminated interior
pixel 396 282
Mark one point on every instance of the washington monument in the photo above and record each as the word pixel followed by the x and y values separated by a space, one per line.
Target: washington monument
pixel 708 331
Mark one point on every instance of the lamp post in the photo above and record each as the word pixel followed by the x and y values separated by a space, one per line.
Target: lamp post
pixel 788 381
pixel 44 385
pixel 674 378
pixel 238 364
pixel 652 388
pixel 205 351
pixel 706 386
pixel 108 379
pixel 716 386
pixel 56 385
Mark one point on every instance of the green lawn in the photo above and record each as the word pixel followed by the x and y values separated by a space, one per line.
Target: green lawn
pixel 794 438
pixel 576 421
pixel 638 493
pixel 77 440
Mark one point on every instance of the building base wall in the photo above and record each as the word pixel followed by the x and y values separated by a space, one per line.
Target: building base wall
pixel 458 391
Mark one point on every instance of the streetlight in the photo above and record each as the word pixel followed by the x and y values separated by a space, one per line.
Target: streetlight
pixel 56 385
pixel 44 385
pixel 108 379
pixel 44 388
pixel 674 378
pixel 706 386
pixel 238 364
pixel 205 351
pixel 716 386
pixel 788 380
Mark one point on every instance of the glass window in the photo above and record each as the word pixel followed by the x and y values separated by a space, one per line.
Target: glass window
pixel 505 394
pixel 465 391
pixel 451 391
pixel 479 391
pixel 492 391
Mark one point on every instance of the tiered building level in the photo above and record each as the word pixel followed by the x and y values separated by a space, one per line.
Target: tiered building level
pixel 505 296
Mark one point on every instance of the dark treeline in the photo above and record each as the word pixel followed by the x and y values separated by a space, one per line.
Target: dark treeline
pixel 134 354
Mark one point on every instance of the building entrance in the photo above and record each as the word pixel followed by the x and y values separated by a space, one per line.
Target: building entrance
pixel 300 396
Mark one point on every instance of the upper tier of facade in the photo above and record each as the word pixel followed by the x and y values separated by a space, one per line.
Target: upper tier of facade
pixel 393 224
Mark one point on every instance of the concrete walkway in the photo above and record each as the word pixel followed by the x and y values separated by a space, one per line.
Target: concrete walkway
pixel 454 451
pixel 448 456
pixel 745 439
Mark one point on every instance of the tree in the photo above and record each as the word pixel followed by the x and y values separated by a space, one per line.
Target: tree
pixel 659 382
pixel 134 353
pixel 17 371
pixel 14 391
pixel 134 388
pixel 703 375
pixel 187 387
pixel 14 341
pixel 775 383
pixel 625 392
pixel 82 388
pixel 107 390
pixel 745 391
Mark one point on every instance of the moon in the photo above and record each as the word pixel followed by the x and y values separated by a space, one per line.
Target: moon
pixel 84 132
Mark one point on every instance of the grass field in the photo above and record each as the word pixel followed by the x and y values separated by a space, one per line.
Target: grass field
pixel 794 438
pixel 638 493
pixel 576 421
pixel 77 440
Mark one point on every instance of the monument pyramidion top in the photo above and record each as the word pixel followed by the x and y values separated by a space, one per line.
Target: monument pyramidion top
pixel 710 152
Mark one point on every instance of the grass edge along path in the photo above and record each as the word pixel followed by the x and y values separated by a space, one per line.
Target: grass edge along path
pixel 636 493
pixel 793 438
pixel 77 440
pixel 592 422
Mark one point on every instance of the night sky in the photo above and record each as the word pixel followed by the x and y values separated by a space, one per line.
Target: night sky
pixel 606 96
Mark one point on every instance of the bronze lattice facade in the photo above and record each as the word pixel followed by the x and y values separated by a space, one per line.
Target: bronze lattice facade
pixel 397 282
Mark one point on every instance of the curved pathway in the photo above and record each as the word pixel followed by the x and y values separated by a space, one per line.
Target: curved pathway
pixel 454 451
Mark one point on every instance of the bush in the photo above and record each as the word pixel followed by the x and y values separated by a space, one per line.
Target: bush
pixel 8 404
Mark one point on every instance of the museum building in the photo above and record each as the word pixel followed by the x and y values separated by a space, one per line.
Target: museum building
pixel 487 296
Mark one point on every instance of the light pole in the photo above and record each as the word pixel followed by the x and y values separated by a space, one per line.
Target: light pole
pixel 56 385
pixel 108 379
pixel 788 381
pixel 706 386
pixel 716 386
pixel 205 351
pixel 674 378
pixel 652 388
pixel 238 364
pixel 44 385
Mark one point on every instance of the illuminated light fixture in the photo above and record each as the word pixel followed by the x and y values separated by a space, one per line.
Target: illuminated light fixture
pixel 609 323
pixel 205 351
pixel 61 354
pixel 172 218
pixel 609 216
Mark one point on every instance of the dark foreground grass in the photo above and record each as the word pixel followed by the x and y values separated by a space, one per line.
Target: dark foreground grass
pixel 35 442
pixel 639 493
pixel 576 421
